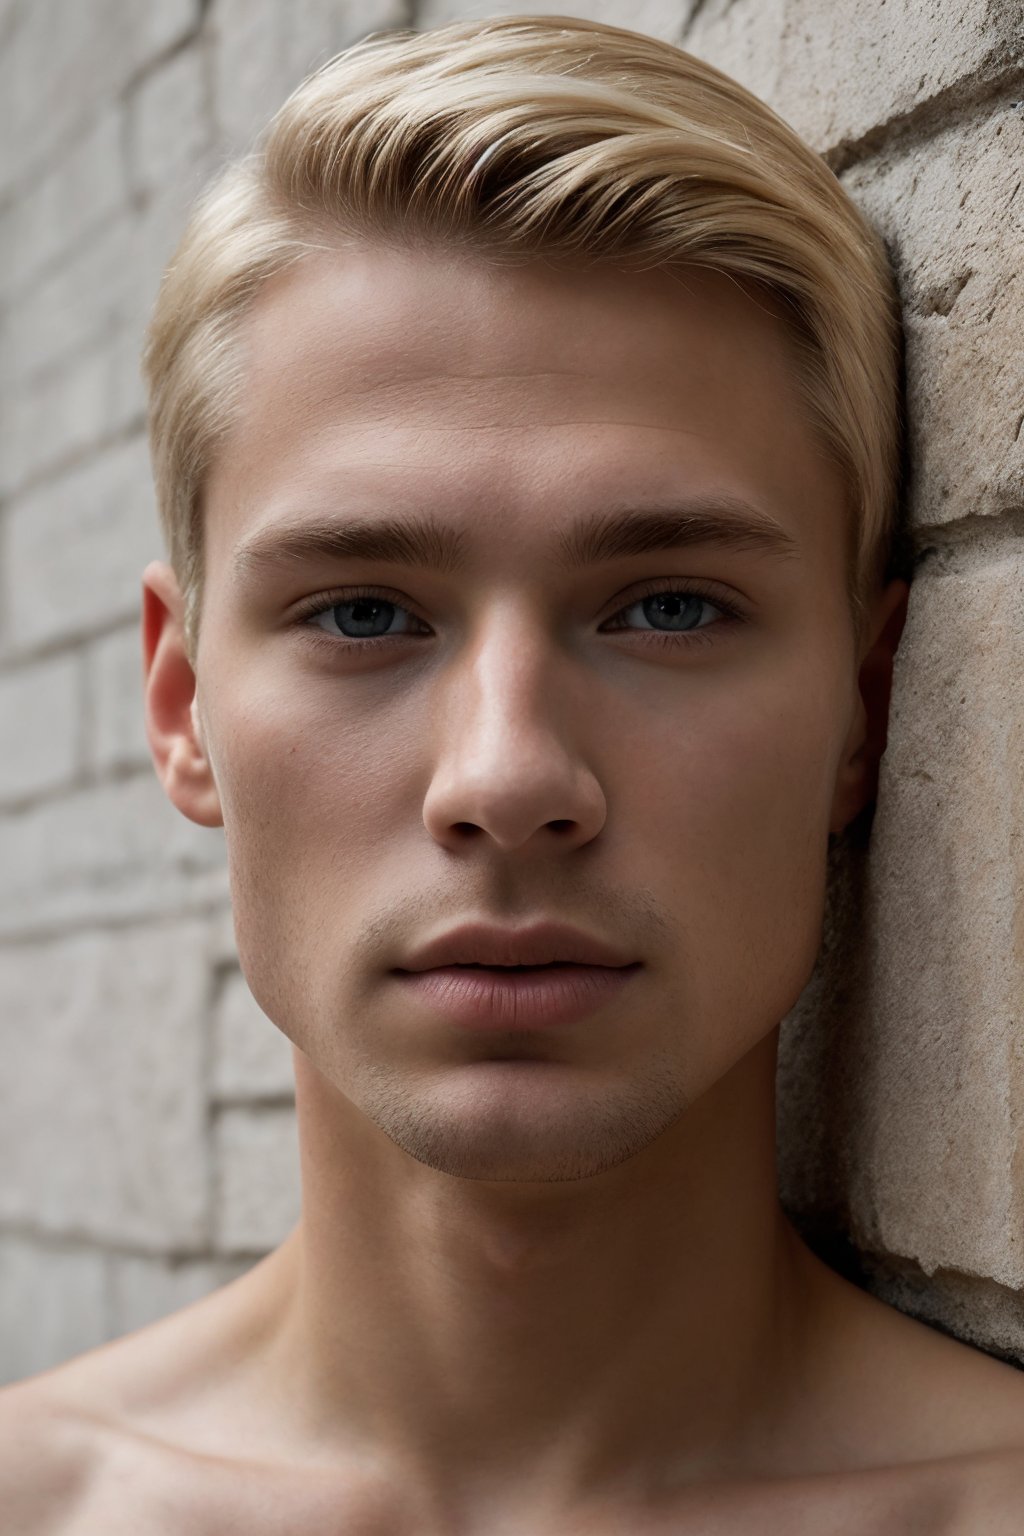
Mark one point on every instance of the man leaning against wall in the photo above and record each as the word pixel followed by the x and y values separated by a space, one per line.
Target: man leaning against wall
pixel 526 429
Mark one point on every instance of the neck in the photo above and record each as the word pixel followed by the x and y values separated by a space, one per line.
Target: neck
pixel 640 1323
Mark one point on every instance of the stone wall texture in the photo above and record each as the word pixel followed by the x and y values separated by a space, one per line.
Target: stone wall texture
pixel 147 1130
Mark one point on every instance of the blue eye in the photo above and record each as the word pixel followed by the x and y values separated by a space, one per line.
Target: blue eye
pixel 367 616
pixel 674 611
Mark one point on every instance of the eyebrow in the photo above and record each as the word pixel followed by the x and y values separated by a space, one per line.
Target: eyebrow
pixel 721 519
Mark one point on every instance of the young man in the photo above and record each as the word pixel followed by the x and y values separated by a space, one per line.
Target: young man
pixel 525 425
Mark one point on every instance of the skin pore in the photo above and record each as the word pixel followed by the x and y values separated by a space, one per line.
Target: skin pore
pixel 538 1274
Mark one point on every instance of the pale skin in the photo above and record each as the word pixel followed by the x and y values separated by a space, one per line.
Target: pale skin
pixel 541 1282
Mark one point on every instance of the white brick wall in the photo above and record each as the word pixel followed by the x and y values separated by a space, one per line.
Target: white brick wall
pixel 262 51
pixel 855 75
pixel 252 1059
pixel 116 732
pixel 938 1175
pixel 45 699
pixel 257 1161
pixel 110 852
pixel 147 1130
pixel 103 1128
pixel 76 545
pixel 63 63
pixel 72 198
pixel 53 1302
pixel 952 209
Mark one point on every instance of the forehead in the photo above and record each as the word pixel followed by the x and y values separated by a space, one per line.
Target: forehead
pixel 508 395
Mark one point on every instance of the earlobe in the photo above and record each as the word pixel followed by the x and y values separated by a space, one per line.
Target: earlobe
pixel 857 779
pixel 172 718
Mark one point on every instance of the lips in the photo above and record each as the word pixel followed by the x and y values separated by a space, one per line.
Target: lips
pixel 483 976
pixel 541 944
pixel 486 998
pixel 475 965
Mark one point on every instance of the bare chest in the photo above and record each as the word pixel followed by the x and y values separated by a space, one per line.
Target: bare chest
pixel 170 1496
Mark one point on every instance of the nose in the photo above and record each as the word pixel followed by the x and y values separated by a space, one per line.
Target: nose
pixel 508 764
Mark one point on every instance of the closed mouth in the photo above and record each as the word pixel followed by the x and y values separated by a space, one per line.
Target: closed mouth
pixel 476 965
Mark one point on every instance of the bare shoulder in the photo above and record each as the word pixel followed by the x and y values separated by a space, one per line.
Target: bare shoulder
pixel 70 1432
pixel 945 1417
pixel 74 1463
pixel 1002 1490
pixel 47 1459
pixel 986 1494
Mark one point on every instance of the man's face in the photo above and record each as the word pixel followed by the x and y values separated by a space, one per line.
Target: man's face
pixel 526 739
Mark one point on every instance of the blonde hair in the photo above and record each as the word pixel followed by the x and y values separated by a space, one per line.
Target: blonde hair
pixel 526 137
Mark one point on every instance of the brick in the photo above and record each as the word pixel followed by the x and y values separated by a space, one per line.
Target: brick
pixel 838 72
pixel 75 305
pixel 118 735
pixel 169 125
pixel 143 1290
pixel 952 212
pixel 258 1189
pixel 223 945
pixel 70 347
pixel 59 417
pixel 52 1304
pixel 41 707
pixel 105 287
pixel 252 1057
pixel 116 851
pixel 85 54
pixel 103 1101
pixel 264 50
pixel 77 546
pixel 978 1311
pixel 85 187
pixel 902 1083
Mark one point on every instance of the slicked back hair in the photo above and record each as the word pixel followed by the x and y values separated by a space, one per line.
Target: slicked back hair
pixel 523 138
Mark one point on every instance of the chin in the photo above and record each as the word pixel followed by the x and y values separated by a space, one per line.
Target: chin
pixel 520 1120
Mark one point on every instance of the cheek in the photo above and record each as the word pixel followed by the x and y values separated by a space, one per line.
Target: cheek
pixel 301 771
pixel 309 815
pixel 735 820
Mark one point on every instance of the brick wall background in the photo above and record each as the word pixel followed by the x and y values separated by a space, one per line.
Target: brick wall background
pixel 147 1137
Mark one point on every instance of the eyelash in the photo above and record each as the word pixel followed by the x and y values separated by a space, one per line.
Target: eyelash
pixel 322 603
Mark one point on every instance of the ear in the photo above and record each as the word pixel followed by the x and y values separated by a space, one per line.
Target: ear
pixel 857 778
pixel 172 721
